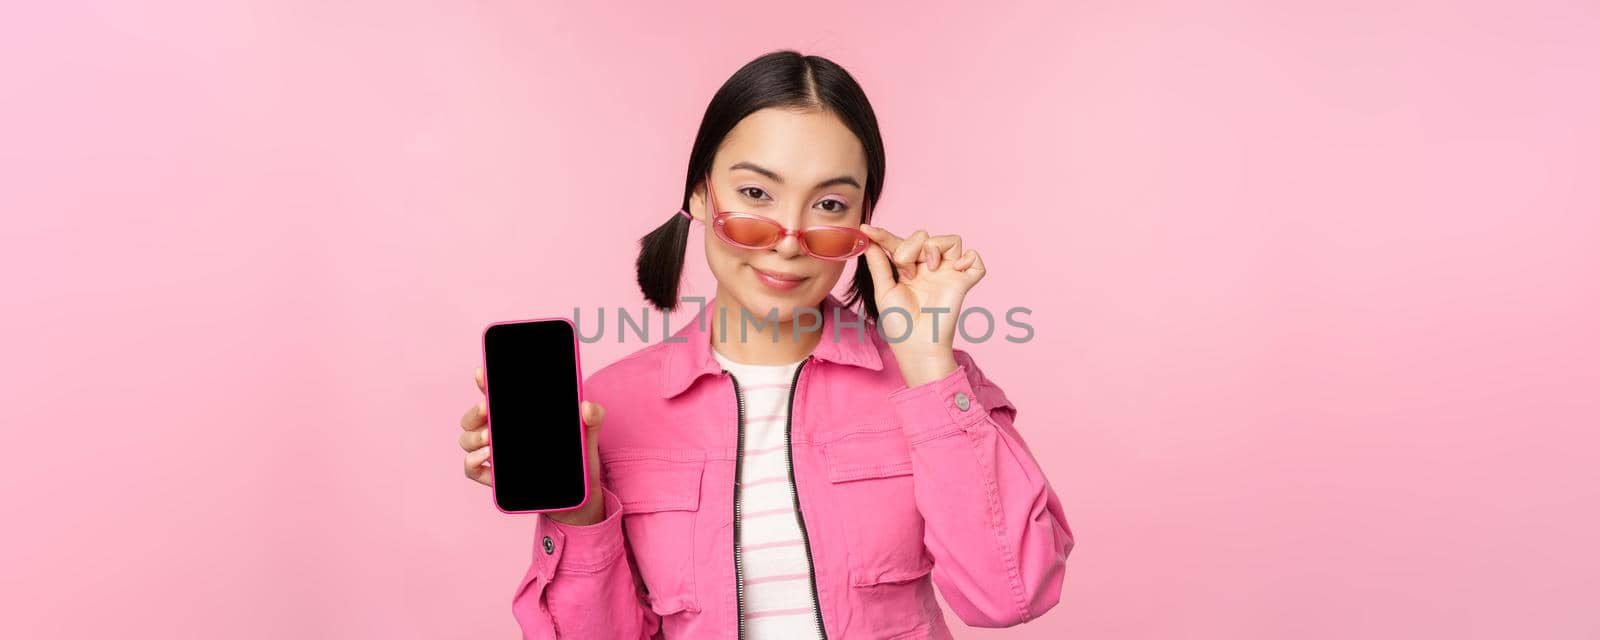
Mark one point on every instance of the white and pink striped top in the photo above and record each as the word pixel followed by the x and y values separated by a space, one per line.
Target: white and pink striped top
pixel 777 575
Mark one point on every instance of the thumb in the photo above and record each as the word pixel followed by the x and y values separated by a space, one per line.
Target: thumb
pixel 593 414
pixel 882 271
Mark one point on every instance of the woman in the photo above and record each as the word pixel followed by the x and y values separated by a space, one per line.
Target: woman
pixel 815 476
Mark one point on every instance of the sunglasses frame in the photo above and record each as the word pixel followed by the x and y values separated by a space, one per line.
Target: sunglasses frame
pixel 719 219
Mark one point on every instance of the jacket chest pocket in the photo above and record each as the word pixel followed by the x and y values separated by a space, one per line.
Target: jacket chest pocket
pixel 869 469
pixel 660 495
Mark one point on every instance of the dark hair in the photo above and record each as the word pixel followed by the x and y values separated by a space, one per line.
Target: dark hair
pixel 783 79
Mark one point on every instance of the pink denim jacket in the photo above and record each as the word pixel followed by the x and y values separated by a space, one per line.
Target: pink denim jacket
pixel 898 489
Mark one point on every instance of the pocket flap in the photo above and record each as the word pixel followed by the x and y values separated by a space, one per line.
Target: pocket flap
pixel 895 574
pixel 878 451
pixel 656 479
pixel 666 606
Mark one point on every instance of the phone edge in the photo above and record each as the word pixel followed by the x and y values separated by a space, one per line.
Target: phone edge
pixel 583 435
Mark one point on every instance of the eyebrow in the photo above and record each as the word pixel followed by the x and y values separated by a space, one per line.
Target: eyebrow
pixel 779 179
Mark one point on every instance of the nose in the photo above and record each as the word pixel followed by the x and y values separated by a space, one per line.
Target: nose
pixel 789 245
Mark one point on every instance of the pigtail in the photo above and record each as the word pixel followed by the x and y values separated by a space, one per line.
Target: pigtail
pixel 660 263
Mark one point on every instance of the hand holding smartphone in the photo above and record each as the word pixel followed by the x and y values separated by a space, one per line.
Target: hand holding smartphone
pixel 538 435
pixel 475 441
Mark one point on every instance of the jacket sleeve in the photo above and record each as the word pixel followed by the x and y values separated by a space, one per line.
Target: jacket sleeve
pixel 581 584
pixel 992 524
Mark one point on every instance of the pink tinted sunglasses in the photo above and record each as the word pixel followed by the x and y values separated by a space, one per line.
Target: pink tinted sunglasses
pixel 751 231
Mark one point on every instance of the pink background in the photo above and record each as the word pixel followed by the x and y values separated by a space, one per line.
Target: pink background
pixel 1314 290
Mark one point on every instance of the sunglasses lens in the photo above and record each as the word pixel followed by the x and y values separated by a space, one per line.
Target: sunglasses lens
pixel 834 243
pixel 750 232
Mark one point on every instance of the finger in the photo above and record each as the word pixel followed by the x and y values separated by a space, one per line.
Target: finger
pixel 908 255
pixel 878 265
pixel 476 416
pixel 976 270
pixel 474 440
pixel 965 261
pixel 931 256
pixel 950 245
pixel 882 236
pixel 485 476
pixel 477 376
pixel 473 463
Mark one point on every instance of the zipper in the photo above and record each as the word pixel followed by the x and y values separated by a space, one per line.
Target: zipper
pixel 738 475
pixel 794 491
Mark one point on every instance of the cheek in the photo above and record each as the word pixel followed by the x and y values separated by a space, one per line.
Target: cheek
pixel 834 270
pixel 720 257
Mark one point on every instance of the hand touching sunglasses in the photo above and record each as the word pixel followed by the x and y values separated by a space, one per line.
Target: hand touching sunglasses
pixel 756 232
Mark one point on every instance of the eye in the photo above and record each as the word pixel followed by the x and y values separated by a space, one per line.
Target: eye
pixel 757 190
pixel 839 206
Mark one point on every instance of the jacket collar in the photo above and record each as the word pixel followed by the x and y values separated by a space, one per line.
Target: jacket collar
pixel 689 352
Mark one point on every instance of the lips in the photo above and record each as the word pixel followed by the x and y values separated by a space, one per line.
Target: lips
pixel 776 275
pixel 779 281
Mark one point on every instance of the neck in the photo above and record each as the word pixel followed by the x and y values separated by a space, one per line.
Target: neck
pixel 758 340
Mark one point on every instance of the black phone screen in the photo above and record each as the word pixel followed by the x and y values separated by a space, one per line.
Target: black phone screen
pixel 535 432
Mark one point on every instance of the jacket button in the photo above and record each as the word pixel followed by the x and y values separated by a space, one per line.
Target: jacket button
pixel 961 400
pixel 549 546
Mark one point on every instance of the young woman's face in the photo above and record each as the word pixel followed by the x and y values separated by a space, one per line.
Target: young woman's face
pixel 801 169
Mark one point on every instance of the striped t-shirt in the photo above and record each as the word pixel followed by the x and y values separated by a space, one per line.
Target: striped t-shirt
pixel 777 576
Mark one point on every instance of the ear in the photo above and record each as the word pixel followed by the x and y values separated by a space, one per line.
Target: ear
pixel 697 202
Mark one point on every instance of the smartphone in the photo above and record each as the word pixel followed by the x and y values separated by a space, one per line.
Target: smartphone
pixel 532 388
